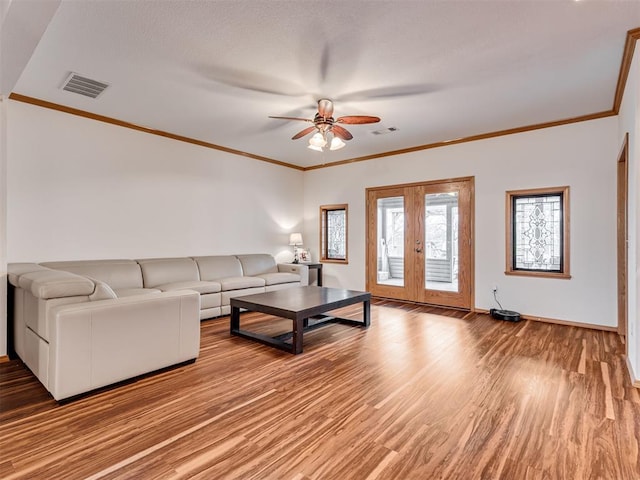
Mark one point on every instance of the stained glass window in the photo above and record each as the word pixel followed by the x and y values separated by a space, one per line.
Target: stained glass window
pixel 538 233
pixel 333 233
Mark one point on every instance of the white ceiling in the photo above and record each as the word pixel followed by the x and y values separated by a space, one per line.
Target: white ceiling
pixel 437 71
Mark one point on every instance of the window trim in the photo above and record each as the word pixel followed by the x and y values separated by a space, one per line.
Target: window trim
pixel 323 241
pixel 510 195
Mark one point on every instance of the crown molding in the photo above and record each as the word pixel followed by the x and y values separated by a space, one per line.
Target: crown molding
pixel 625 67
pixel 473 138
pixel 113 121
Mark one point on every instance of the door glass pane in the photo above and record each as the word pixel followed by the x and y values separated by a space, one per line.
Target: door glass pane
pixel 441 241
pixel 390 238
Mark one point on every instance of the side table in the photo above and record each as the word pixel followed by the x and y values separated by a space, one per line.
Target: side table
pixel 315 266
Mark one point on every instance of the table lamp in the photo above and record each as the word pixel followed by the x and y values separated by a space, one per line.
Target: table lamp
pixel 295 239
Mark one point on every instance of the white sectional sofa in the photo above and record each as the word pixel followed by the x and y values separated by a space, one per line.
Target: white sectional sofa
pixel 82 325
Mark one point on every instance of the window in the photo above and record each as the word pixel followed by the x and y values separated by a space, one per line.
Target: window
pixel 538 232
pixel 333 233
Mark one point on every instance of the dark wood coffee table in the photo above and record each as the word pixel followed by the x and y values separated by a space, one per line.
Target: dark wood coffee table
pixel 305 306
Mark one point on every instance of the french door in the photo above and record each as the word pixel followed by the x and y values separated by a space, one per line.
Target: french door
pixel 420 242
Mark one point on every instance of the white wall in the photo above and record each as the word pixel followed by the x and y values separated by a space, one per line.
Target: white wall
pixel 629 121
pixel 3 225
pixel 16 46
pixel 581 155
pixel 82 189
pixel 78 189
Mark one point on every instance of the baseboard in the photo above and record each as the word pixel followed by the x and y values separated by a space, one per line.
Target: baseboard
pixel 4 358
pixel 635 383
pixel 536 318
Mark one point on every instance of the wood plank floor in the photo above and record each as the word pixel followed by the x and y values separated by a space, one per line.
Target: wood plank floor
pixel 423 393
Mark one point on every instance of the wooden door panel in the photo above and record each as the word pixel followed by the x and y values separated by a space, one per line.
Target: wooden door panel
pixel 462 296
pixel 373 284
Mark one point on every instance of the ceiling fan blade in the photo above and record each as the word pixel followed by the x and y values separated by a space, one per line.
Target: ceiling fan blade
pixel 292 118
pixel 325 108
pixel 357 119
pixel 341 132
pixel 304 132
pixel 389 92
pixel 248 80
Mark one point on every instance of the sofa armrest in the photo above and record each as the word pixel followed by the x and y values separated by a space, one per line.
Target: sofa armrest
pixel 98 343
pixel 298 268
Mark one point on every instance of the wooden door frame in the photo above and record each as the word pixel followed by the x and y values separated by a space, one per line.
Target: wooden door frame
pixel 622 229
pixel 371 214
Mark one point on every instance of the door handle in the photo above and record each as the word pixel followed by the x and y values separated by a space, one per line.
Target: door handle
pixel 418 250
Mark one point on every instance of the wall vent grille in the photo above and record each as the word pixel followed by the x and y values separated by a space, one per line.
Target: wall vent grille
pixel 84 86
pixel 384 131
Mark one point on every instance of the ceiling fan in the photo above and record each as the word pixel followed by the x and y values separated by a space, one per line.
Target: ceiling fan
pixel 324 125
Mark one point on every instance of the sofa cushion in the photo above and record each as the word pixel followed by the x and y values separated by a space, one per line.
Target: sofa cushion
pixel 238 283
pixel 115 273
pixel 130 292
pixel 279 277
pixel 199 286
pixel 215 267
pixel 210 300
pixel 48 283
pixel 206 313
pixel 163 271
pixel 227 296
pixel 257 264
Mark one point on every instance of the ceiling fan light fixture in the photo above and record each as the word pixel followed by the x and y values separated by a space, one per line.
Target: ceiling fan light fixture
pixel 326 127
pixel 318 140
pixel 336 144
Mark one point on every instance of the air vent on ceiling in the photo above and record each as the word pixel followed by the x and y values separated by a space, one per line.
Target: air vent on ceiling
pixel 84 86
pixel 384 131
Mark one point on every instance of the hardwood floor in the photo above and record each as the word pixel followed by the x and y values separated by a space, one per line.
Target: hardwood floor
pixel 422 394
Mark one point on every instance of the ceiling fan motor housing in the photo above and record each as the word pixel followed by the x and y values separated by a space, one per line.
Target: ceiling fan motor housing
pixel 325 108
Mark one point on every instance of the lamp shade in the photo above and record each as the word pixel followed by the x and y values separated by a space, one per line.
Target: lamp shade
pixel 336 144
pixel 295 239
pixel 318 140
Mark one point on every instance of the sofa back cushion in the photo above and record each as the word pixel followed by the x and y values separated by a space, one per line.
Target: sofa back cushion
pixel 115 273
pixel 257 264
pixel 160 271
pixel 215 267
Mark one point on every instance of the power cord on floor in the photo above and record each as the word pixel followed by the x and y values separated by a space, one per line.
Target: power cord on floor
pixel 495 297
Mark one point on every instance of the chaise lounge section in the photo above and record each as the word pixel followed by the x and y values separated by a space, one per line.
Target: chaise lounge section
pixel 82 325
